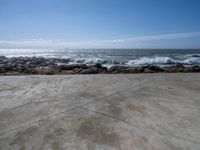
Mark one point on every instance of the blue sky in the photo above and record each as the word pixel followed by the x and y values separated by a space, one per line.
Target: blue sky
pixel 100 23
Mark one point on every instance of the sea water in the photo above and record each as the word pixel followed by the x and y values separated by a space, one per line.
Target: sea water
pixel 110 57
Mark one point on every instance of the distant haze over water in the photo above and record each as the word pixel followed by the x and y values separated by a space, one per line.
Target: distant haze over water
pixel 110 57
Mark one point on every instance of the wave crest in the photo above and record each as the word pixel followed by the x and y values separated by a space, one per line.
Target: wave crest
pixel 154 60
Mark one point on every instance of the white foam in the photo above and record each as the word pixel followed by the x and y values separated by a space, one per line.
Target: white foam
pixel 88 60
pixel 151 60
pixel 105 59
pixel 190 61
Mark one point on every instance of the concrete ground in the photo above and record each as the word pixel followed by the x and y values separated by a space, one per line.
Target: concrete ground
pixel 100 112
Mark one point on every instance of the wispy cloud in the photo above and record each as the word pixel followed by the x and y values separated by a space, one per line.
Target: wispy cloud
pixel 122 41
pixel 163 36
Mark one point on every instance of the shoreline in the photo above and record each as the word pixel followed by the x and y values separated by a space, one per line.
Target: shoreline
pixel 55 66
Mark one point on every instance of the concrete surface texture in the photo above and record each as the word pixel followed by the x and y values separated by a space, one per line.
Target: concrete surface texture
pixel 100 112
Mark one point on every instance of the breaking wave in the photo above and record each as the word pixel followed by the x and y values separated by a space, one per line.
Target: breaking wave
pixel 148 60
pixel 112 57
pixel 164 61
pixel 191 61
pixel 89 60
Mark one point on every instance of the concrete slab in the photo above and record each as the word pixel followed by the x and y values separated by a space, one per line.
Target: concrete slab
pixel 102 112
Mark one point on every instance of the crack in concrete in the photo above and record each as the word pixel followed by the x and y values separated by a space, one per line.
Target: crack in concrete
pixel 69 109
pixel 139 127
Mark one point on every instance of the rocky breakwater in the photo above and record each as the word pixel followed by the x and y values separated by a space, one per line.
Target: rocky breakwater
pixel 155 69
pixel 48 66
pixel 51 66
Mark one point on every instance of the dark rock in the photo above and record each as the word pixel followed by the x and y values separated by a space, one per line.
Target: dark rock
pixel 91 70
pixel 3 70
pixel 195 55
pixel 45 70
pixel 77 70
pixel 98 65
pixel 133 70
pixel 154 69
pixel 11 73
pixel 66 72
pixel 176 68
pixel 104 69
pixel 39 65
pixel 178 65
pixel 72 66
pixel 64 61
pixel 91 65
pixel 19 68
pixel 195 68
pixel 147 70
pixel 123 69
pixel 2 58
pixel 99 68
pixel 117 69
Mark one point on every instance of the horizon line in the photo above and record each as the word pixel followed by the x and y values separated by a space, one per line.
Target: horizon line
pixel 131 41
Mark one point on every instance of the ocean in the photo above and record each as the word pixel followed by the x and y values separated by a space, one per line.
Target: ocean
pixel 111 57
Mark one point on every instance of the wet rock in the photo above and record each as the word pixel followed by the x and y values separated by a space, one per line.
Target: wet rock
pixel 39 65
pixel 195 55
pixel 19 68
pixel 2 70
pixel 147 70
pixel 122 69
pixel 64 61
pixel 45 70
pixel 98 65
pixel 179 65
pixel 134 70
pixel 117 69
pixel 77 70
pixel 105 69
pixel 176 68
pixel 154 69
pixel 91 70
pixel 73 66
pixel 195 69
pixel 66 72
pixel 2 58
pixel 11 73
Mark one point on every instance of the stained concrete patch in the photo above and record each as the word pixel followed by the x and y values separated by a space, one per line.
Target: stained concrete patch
pixel 137 108
pixel 28 139
pixel 93 130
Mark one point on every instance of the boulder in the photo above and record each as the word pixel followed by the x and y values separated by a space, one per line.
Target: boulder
pixel 195 68
pixel 147 70
pixel 123 69
pixel 2 58
pixel 3 70
pixel 66 72
pixel 76 70
pixel 104 70
pixel 133 70
pixel 44 70
pixel 117 69
pixel 19 68
pixel 195 55
pixel 98 65
pixel 176 68
pixel 72 66
pixel 91 70
pixel 154 69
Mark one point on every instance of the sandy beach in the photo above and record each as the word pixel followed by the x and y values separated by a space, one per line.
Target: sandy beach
pixel 100 112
